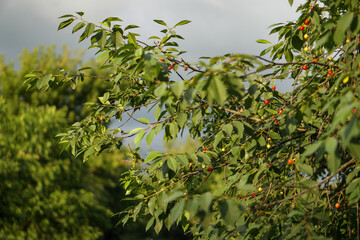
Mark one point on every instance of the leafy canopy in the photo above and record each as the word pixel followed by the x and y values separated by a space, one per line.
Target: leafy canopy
pixel 279 161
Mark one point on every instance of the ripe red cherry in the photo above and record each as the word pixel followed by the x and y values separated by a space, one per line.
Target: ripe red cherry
pixel 253 195
pixel 312 8
pixel 301 28
pixel 276 121
pixel 337 205
pixel 330 72
pixel 204 148
pixel 267 164
pixel 185 68
pixel 209 169
pixel 290 161
pixel 161 60
pixel 353 111
pixel 327 89
pixel 266 102
pixel 171 67
pixel 272 117
pixel 316 60
pixel 307 22
pixel 102 119
pixel 304 67
pixel 280 111
pixel 273 88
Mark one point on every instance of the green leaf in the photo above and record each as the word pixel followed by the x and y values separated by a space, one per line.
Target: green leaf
pixel 218 137
pixel 177 88
pixel 153 155
pixel 174 196
pixel 263 41
pixel 291 125
pixel 177 211
pixel 116 38
pixel 312 148
pixel 183 22
pixel 88 152
pixel 78 26
pixel 150 137
pixel 172 164
pixel 67 16
pixel 139 136
pixel 345 20
pixel 65 23
pixel 229 211
pixel 228 128
pixel 150 223
pixel 315 19
pixel 135 130
pixel 90 27
pixel 204 158
pixel 159 91
pixel 43 81
pixel 216 90
pixel 161 22
pixel 144 120
pixel 305 168
pixel 333 162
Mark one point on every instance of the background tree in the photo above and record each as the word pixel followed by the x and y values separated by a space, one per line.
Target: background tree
pixel 288 161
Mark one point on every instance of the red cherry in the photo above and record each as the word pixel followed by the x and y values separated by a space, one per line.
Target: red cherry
pixel 327 89
pixel 330 72
pixel 290 161
pixel 185 68
pixel 273 88
pixel 353 111
pixel 304 67
pixel 316 60
pixel 307 22
pixel 280 111
pixel 267 164
pixel 312 8
pixel 337 205
pixel 272 117
pixel 253 195
pixel 209 169
pixel 161 60
pixel 102 119
pixel 301 28
pixel 204 148
pixel 276 121
pixel 266 102
pixel 171 67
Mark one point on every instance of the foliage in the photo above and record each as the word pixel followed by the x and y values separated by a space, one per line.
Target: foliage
pixel 45 194
pixel 281 160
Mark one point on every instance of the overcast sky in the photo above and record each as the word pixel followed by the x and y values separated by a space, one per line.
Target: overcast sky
pixel 217 27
